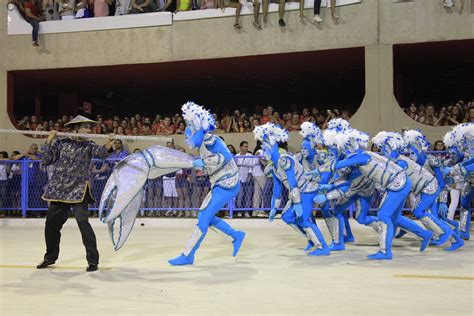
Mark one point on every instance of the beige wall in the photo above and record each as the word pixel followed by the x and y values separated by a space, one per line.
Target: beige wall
pixel 197 39
pixel 375 25
pixel 424 21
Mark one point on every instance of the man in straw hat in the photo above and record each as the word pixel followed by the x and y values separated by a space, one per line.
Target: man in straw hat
pixel 69 188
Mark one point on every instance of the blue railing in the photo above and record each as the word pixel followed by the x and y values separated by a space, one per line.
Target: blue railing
pixel 22 183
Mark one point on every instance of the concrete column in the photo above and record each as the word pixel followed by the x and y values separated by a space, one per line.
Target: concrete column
pixel 380 110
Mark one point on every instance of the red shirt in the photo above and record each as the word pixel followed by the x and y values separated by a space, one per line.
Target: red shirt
pixel 264 119
pixel 32 7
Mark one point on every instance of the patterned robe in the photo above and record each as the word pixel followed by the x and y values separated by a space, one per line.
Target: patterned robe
pixel 70 178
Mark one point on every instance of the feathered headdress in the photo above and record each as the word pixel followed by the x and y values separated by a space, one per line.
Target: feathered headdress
pixel 392 139
pixel 334 128
pixel 329 136
pixel 270 133
pixel 344 138
pixel 339 124
pixel 416 139
pixel 312 133
pixel 464 133
pixel 451 140
pixel 198 117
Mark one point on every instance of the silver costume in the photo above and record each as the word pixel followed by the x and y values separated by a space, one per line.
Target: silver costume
pixel 383 172
pixel 464 182
pixel 304 184
pixel 123 192
pixel 225 175
pixel 422 181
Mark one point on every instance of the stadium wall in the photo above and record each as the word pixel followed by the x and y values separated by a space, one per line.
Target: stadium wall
pixel 375 25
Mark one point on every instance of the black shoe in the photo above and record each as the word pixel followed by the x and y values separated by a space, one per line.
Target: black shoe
pixel 44 264
pixel 92 267
pixel 281 22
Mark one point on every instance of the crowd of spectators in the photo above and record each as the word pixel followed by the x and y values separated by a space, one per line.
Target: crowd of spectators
pixel 443 115
pixel 36 11
pixel 235 122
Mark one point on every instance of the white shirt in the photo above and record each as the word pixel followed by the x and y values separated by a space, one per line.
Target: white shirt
pixel 257 170
pixel 3 172
pixel 245 166
pixel 14 170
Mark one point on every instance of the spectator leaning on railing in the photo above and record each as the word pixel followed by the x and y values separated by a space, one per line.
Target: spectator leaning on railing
pixel 442 115
pixel 101 7
pixel 428 117
pixel 245 166
pixel 123 7
pixel 4 171
pixel 259 180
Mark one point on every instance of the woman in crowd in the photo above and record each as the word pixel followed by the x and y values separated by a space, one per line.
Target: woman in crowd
pixel 245 127
pixel 232 149
pixel 412 111
pixel 181 128
pixel 455 116
pixel 439 146
pixel 120 131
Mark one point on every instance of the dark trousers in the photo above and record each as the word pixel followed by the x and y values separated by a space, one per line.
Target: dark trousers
pixel 35 24
pixel 56 217
pixel 317 6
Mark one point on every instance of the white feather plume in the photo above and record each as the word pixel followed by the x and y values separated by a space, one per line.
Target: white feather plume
pixel 464 132
pixel 329 136
pixel 392 139
pixel 416 138
pixel 198 116
pixel 312 132
pixel 362 139
pixel 450 139
pixel 344 138
pixel 271 133
pixel 339 124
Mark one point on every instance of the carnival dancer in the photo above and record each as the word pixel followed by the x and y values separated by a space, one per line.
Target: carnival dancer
pixel 288 172
pixel 424 189
pixel 463 175
pixel 455 156
pixel 69 188
pixel 388 176
pixel 336 220
pixel 417 146
pixel 219 164
pixel 311 158
pixel 339 125
pixel 428 168
pixel 353 188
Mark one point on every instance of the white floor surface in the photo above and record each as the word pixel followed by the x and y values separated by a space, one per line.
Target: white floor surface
pixel 271 275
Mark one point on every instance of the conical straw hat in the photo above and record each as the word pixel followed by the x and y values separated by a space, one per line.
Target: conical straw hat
pixel 80 119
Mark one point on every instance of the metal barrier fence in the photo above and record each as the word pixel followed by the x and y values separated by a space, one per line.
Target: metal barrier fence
pixel 22 183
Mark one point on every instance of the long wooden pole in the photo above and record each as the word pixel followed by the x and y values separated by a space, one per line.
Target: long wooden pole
pixel 122 137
